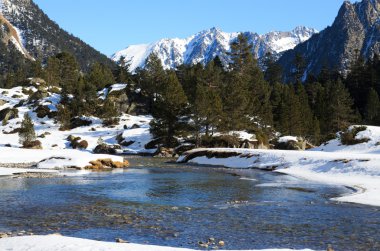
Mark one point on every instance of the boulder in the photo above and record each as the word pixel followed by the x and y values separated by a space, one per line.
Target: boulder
pixel 291 143
pixel 164 152
pixel 106 149
pixel 79 122
pixel 38 95
pixel 33 145
pixel 156 143
pixel 43 111
pixel 37 82
pixel 222 141
pixel 2 102
pixel 14 131
pixel 101 164
pixel 135 126
pixel 184 148
pixel 75 142
pixel 123 142
pixel 8 114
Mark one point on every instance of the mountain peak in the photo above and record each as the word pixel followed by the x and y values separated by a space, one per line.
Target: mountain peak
pixel 215 30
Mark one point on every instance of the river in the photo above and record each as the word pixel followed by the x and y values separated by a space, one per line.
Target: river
pixel 179 205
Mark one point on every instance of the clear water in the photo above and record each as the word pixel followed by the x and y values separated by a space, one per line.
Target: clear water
pixel 167 204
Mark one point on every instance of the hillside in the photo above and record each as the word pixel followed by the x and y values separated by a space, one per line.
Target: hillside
pixel 40 37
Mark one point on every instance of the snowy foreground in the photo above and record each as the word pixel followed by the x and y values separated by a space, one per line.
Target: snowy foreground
pixel 356 166
pixel 60 243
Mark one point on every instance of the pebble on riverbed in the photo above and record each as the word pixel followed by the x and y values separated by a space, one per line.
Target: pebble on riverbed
pixel 211 243
pixel 14 234
pixel 119 240
pixel 3 235
pixel 36 175
pixel 329 248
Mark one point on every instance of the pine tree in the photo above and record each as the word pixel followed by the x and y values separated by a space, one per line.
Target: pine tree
pixel 52 70
pixel 358 83
pixel 122 71
pixel 295 114
pixel 260 111
pixel 27 133
pixel 68 72
pixel 307 115
pixel 299 68
pixel 236 103
pixel 275 101
pixel 151 79
pixel 339 107
pixel 36 69
pixel 240 54
pixel 108 112
pixel 316 138
pixel 189 76
pixel 207 109
pixel 100 76
pixel 64 117
pixel 288 113
pixel 91 99
pixel 170 107
pixel 274 71
pixel 372 111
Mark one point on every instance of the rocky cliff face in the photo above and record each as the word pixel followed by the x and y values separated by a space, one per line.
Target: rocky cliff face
pixel 206 45
pixel 41 37
pixel 355 31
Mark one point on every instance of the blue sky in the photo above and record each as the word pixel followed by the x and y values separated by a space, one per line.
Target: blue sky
pixel 112 25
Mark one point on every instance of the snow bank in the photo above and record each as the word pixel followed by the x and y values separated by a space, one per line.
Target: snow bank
pixel 286 139
pixel 51 159
pixel 60 243
pixel 358 170
pixel 372 134
pixel 14 171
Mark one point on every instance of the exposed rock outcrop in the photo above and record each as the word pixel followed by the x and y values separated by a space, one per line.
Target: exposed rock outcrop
pixel 355 31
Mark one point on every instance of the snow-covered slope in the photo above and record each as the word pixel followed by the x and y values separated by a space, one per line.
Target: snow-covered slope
pixel 134 129
pixel 206 45
pixel 372 145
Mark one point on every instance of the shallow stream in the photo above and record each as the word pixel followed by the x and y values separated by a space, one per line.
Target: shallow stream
pixel 175 205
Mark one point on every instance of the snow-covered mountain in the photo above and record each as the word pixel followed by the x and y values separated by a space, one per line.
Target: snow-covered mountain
pixel 206 45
